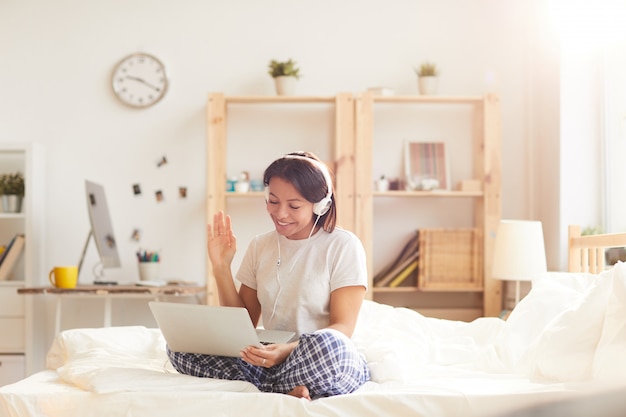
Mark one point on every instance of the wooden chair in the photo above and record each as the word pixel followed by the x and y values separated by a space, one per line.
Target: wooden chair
pixel 586 253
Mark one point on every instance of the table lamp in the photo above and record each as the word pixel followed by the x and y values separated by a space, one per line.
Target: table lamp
pixel 519 253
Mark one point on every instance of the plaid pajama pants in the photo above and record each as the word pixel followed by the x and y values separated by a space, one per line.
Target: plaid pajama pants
pixel 325 361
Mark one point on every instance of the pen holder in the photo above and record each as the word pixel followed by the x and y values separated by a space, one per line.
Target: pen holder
pixel 148 271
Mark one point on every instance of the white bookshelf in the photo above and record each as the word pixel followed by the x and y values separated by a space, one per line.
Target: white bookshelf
pixel 21 345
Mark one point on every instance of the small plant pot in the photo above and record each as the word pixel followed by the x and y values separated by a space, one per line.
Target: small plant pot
pixel 12 203
pixel 382 184
pixel 285 85
pixel 427 85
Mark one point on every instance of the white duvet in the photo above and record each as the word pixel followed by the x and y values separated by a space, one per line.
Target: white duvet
pixel 567 336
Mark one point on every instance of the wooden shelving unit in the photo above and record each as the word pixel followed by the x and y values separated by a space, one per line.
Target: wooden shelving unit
pixel 351 156
pixel 21 346
pixel 485 204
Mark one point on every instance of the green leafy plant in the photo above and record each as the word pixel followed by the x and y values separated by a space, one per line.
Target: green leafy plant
pixel 12 184
pixel 592 230
pixel 427 69
pixel 284 68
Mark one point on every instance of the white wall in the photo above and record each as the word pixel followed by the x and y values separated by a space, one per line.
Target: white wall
pixel 57 59
pixel 615 125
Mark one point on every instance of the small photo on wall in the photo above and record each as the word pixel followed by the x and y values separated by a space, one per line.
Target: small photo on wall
pixel 136 235
pixel 162 161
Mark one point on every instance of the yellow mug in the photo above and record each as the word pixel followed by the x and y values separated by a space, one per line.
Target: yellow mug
pixel 64 276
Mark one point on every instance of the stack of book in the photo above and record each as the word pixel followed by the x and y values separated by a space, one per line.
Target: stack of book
pixel 403 270
pixel 10 256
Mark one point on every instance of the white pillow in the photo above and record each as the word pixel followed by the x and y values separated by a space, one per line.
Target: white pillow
pixel 609 362
pixel 549 297
pixel 127 341
pixel 565 350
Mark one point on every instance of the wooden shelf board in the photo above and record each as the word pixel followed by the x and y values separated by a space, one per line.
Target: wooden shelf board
pixel 279 99
pixel 429 99
pixel 417 289
pixel 395 289
pixel 21 215
pixel 453 289
pixel 234 194
pixel 442 193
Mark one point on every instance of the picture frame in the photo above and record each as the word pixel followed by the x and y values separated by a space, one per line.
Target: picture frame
pixel 426 166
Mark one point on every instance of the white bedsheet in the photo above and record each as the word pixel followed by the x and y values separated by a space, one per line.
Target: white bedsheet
pixel 566 337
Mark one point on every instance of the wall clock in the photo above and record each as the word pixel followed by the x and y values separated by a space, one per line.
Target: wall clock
pixel 139 80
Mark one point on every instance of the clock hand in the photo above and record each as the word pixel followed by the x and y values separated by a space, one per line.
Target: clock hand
pixel 141 80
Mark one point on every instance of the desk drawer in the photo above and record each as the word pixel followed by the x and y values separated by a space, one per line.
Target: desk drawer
pixel 12 331
pixel 11 369
pixel 11 303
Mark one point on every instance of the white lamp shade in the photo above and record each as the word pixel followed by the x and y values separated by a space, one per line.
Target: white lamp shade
pixel 519 253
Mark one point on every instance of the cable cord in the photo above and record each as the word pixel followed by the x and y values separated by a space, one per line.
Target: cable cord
pixel 280 288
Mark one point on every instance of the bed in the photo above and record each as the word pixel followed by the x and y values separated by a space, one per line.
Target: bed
pixel 566 338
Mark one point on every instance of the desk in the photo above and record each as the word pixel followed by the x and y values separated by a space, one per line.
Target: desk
pixel 111 291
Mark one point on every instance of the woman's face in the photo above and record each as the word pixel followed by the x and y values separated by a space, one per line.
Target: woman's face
pixel 291 213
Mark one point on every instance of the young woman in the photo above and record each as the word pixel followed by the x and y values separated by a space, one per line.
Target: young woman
pixel 306 276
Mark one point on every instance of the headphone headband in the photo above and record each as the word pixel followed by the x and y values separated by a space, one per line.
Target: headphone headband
pixel 320 166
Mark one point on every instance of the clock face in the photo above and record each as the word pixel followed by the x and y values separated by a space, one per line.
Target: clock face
pixel 139 80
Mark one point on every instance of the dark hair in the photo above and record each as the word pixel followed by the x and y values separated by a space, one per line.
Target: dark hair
pixel 308 179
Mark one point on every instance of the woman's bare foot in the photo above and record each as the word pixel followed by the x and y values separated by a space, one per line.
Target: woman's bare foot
pixel 300 392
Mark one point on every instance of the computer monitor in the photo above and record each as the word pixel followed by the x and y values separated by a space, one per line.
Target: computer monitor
pixel 101 230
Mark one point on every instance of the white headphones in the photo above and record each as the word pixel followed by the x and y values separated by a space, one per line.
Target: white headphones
pixel 321 207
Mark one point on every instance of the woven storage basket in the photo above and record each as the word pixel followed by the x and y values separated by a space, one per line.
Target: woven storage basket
pixel 450 259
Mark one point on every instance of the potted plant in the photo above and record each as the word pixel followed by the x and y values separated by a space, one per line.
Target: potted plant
pixel 382 184
pixel 12 192
pixel 427 78
pixel 285 75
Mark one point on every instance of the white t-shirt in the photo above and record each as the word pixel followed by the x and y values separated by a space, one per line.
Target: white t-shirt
pixel 294 281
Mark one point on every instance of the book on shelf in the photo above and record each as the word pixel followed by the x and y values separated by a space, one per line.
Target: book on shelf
pixel 402 276
pixel 407 256
pixel 11 256
pixel 397 270
pixel 6 249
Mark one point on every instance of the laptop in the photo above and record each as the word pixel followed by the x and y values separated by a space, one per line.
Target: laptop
pixel 211 330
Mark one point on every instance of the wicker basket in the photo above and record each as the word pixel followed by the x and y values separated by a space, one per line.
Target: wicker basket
pixel 450 259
